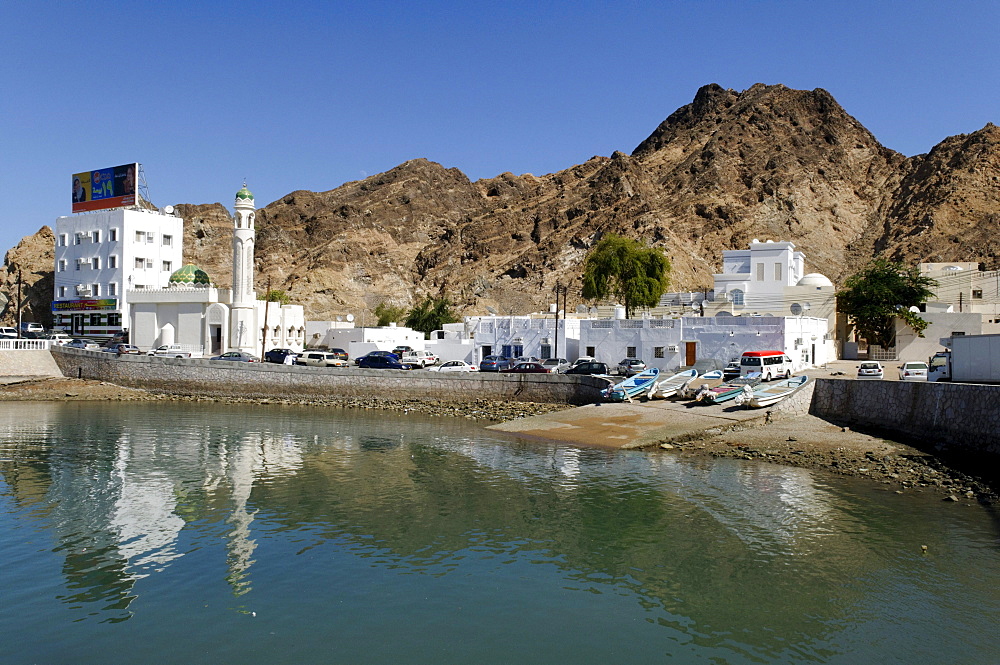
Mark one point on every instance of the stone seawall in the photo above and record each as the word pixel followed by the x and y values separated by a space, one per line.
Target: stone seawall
pixel 265 380
pixel 960 417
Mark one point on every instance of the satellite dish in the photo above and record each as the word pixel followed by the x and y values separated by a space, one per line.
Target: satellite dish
pixel 350 317
pixel 340 318
pixel 796 309
pixel 168 209
pixel 694 307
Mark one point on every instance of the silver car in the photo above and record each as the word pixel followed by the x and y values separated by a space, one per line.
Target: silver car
pixel 913 371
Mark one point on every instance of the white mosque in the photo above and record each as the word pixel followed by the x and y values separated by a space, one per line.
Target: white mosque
pixel 193 312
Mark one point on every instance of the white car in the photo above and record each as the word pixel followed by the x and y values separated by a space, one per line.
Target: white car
pixel 454 366
pixel 59 339
pixel 422 358
pixel 555 365
pixel 321 359
pixel 870 370
pixel 913 371
pixel 8 333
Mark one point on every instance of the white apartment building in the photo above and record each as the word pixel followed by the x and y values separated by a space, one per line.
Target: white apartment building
pixel 100 256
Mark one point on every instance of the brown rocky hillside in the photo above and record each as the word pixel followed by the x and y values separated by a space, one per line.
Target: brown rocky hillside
pixel 767 163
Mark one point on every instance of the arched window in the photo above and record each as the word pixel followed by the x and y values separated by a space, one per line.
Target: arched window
pixel 736 297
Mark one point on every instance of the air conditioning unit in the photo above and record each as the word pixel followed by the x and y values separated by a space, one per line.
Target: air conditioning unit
pixel 672 348
pixel 82 290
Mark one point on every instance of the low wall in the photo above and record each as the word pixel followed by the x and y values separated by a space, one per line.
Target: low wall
pixel 29 362
pixel 266 380
pixel 960 417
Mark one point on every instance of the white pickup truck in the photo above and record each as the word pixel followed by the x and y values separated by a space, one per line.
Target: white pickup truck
pixel 176 351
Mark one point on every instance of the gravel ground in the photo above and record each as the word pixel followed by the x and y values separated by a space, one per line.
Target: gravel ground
pixel 805 441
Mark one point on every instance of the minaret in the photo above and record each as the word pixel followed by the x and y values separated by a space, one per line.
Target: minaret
pixel 243 326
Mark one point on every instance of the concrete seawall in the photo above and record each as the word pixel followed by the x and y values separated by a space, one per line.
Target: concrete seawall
pixel 265 380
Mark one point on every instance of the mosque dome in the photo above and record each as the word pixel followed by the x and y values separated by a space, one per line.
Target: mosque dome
pixel 244 194
pixel 189 275
pixel 815 279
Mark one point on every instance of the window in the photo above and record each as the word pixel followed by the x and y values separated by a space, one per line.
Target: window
pixel 97 262
pixel 591 351
pixel 150 237
pixel 630 352
pixel 736 297
pixel 658 352
pixel 149 264
pixel 140 263
pixel 78 262
pixel 113 289
pixel 113 235
pixel 977 294
pixel 168 241
pixel 62 291
pixel 97 236
pixel 95 290
pixel 777 272
pixel 140 236
pixel 760 272
pixel 63 240
pixel 76 239
pixel 62 265
pixel 546 352
pixel 112 261
pixel 114 320
pixel 95 319
pixel 166 266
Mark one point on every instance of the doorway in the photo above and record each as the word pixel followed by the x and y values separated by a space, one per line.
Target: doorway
pixel 78 325
pixel 690 353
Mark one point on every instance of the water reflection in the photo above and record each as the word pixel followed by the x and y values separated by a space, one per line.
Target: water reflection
pixel 754 560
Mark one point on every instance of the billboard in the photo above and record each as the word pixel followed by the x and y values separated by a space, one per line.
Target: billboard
pixel 86 304
pixel 112 187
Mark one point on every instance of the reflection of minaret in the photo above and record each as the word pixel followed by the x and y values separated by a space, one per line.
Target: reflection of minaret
pixel 243 330
pixel 242 464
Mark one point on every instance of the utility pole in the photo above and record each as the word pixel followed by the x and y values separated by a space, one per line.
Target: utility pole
pixel 556 354
pixel 267 306
pixel 19 302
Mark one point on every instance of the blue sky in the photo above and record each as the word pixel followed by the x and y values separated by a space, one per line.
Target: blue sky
pixel 309 95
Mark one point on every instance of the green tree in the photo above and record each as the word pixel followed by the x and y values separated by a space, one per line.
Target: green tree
pixel 276 295
pixel 387 314
pixel 430 315
pixel 627 269
pixel 879 293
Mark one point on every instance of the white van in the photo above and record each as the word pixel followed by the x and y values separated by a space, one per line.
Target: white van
pixel 770 364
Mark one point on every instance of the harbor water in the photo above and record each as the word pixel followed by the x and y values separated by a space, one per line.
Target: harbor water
pixel 197 533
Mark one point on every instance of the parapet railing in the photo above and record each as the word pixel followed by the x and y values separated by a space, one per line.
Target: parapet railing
pixel 25 344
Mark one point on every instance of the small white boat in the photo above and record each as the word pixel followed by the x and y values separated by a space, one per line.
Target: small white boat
pixel 776 392
pixel 632 387
pixel 670 386
pixel 705 381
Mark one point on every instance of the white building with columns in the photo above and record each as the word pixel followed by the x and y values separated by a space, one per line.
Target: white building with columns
pixel 194 312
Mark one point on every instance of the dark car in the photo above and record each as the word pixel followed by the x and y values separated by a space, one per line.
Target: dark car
pixel 590 368
pixel 732 370
pixel 122 349
pixel 526 368
pixel 237 356
pixel 494 363
pixel 401 349
pixel 385 354
pixel 382 362
pixel 340 353
pixel 278 356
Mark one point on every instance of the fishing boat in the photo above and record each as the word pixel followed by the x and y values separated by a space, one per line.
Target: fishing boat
pixel 704 382
pixel 766 396
pixel 670 386
pixel 731 389
pixel 633 386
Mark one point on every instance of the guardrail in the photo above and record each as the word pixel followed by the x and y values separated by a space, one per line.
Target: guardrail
pixel 8 344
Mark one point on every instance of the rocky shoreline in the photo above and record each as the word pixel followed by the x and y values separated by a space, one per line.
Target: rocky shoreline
pixel 803 441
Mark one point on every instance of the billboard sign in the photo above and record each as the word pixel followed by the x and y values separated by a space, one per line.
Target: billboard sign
pixel 112 187
pixel 87 304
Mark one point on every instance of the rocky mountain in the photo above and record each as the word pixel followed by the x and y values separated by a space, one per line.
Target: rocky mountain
pixel 768 162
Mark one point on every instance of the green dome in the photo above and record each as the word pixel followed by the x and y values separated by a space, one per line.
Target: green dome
pixel 244 194
pixel 190 275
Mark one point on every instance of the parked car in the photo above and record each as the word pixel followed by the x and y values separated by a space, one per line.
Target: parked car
pixel 80 343
pixel 494 363
pixel 526 368
pixel 584 359
pixel 29 327
pixel 555 364
pixel 387 354
pixel 630 367
pixel 278 356
pixel 401 349
pixel 526 359
pixel 453 366
pixel 176 351
pixel 237 356
pixel 422 358
pixel 870 370
pixel 382 362
pixel 122 349
pixel 59 338
pixel 321 359
pixel 913 371
pixel 590 368
pixel 340 353
pixel 8 333
pixel 731 370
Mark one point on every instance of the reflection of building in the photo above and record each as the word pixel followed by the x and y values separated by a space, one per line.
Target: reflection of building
pixel 191 311
pixel 100 256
